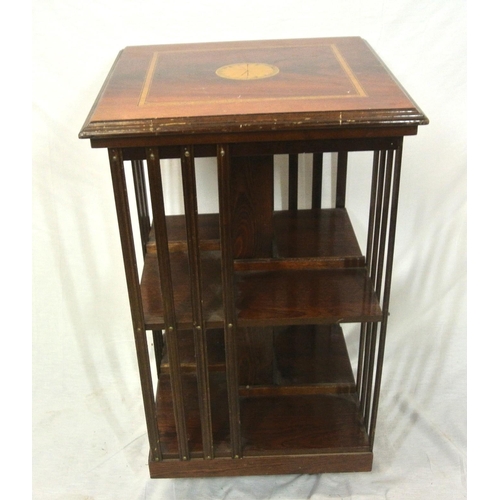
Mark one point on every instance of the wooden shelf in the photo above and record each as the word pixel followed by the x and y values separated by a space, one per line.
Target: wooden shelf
pixel 310 359
pixel 302 424
pixel 291 288
pixel 318 415
pixel 269 426
pixel 219 409
pixel 263 298
pixel 215 352
pixel 303 360
pixel 324 237
pixel 212 294
pixel 305 297
pixel 316 233
pixel 176 227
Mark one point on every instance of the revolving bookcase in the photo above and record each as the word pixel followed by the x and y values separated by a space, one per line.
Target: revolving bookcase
pixel 245 306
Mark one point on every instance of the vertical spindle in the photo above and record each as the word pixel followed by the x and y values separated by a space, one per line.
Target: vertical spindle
pixel 163 255
pixel 135 297
pixel 224 179
pixel 191 211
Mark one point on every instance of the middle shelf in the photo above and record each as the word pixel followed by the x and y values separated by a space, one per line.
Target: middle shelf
pixel 282 361
pixel 308 280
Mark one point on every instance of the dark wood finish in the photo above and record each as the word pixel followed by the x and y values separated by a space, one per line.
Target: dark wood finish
pixel 159 347
pixel 302 424
pixel 219 410
pixel 255 356
pixel 293 181
pixel 387 287
pixel 312 354
pixel 254 376
pixel 337 82
pixel 267 465
pixel 141 201
pixel 280 137
pixel 262 298
pixel 314 424
pixel 196 285
pixel 284 264
pixel 167 298
pixel 316 233
pixel 228 296
pixel 177 237
pixel 319 141
pixel 324 237
pixel 308 360
pixel 252 206
pixel 310 239
pixel 364 340
pixel 341 179
pixel 303 297
pixel 187 360
pixel 317 180
pixel 339 415
pixel 212 291
pixel 305 239
pixel 134 294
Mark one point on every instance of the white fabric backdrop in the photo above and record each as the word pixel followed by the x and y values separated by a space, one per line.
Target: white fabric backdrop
pixel 89 436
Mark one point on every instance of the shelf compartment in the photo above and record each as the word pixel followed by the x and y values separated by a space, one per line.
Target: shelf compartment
pixel 208 225
pixel 185 339
pixel 316 239
pixel 309 359
pixel 219 410
pixel 316 233
pixel 305 297
pixel 263 298
pixel 301 425
pixel 309 239
pixel 289 264
pixel 212 291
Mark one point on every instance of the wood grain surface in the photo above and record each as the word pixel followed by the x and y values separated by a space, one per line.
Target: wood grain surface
pixel 172 89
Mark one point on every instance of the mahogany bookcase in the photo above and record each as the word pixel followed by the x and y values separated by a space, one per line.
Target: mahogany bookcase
pixel 246 305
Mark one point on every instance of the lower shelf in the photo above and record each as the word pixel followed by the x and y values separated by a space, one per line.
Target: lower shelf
pixel 299 409
pixel 294 360
pixel 285 361
pixel 318 428
pixel 297 425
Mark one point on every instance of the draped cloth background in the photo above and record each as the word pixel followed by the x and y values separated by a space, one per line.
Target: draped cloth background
pixel 89 438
